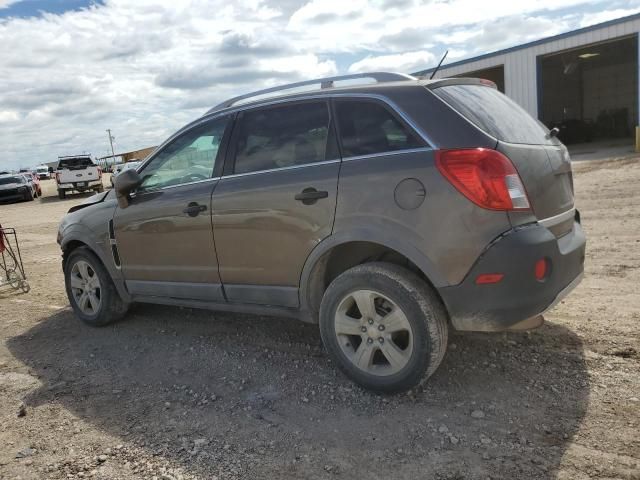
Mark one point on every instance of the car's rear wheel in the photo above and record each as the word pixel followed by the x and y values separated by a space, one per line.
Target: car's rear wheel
pixel 62 194
pixel 91 292
pixel 384 326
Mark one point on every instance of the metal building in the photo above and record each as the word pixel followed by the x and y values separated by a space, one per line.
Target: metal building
pixel 585 82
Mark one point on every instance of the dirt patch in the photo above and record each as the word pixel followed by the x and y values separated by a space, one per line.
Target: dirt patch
pixel 179 393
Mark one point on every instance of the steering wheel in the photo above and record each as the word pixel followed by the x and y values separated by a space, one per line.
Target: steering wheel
pixel 193 177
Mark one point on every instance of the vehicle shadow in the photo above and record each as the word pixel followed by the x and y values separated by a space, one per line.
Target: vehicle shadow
pixel 70 197
pixel 267 402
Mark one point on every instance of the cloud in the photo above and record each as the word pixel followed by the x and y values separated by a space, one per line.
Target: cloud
pixel 402 62
pixel 604 16
pixel 146 68
pixel 7 3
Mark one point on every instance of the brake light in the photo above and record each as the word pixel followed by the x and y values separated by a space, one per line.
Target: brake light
pixel 484 176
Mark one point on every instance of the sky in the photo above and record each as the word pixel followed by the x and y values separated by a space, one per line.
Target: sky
pixel 70 69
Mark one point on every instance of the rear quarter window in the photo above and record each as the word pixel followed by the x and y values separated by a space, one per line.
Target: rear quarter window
pixel 495 113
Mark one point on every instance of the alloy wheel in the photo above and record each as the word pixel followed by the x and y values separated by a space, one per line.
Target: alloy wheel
pixel 85 287
pixel 373 332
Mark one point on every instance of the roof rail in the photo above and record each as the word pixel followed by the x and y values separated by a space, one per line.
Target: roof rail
pixel 327 82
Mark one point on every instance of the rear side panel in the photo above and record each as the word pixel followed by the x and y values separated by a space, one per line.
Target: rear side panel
pixel 447 228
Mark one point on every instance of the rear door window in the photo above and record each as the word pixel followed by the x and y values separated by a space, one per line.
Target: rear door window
pixel 495 113
pixel 367 128
pixel 282 136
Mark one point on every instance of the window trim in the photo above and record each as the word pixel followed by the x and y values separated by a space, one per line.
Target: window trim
pixel 328 96
pixel 222 151
pixel 230 162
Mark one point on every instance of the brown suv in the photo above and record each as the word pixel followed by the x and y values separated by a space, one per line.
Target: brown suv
pixel 387 212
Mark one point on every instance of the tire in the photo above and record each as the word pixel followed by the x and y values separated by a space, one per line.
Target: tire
pixel 62 194
pixel 418 329
pixel 29 196
pixel 100 189
pixel 110 306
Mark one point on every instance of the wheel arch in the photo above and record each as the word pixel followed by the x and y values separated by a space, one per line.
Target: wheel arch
pixel 338 253
pixel 77 238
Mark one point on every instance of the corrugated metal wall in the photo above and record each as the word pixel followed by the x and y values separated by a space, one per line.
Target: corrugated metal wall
pixel 520 66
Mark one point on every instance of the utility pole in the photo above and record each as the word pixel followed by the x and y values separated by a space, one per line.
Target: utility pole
pixel 111 139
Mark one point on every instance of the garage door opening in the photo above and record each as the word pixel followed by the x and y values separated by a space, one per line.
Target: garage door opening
pixel 495 74
pixel 591 93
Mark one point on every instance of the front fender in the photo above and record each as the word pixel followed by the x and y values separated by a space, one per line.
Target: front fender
pixel 90 226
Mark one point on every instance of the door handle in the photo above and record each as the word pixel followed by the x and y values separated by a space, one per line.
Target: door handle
pixel 194 208
pixel 309 196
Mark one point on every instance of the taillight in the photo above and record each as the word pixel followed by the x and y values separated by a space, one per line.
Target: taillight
pixel 484 176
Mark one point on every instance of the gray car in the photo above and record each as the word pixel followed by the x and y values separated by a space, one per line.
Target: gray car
pixel 388 213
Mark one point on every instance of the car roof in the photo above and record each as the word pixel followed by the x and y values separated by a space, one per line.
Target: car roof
pixel 284 92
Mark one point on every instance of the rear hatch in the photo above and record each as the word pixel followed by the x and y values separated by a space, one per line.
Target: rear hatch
pixel 77 169
pixel 541 160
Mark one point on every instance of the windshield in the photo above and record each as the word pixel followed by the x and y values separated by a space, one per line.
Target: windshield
pixel 10 180
pixel 42 170
pixel 74 163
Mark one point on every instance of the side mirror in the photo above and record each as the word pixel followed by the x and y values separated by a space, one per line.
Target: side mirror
pixel 124 184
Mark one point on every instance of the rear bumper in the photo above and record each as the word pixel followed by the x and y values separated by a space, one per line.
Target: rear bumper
pixel 519 299
pixel 80 185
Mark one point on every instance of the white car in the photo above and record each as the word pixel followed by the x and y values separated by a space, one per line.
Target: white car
pixel 122 167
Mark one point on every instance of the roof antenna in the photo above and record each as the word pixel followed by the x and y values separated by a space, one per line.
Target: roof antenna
pixel 438 67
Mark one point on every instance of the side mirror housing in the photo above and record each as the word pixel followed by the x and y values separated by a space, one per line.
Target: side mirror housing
pixel 124 184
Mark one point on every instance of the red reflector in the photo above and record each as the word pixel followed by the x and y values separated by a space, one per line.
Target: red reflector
pixel 486 278
pixel 541 269
pixel 484 176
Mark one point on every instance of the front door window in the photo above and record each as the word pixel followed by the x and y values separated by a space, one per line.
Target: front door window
pixel 187 159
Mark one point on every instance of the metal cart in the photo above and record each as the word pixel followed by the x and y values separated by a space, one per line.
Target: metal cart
pixel 11 267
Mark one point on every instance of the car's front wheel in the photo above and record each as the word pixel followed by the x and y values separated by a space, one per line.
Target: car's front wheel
pixel 384 326
pixel 91 292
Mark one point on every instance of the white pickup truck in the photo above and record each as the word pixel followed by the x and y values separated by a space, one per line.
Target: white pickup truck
pixel 78 173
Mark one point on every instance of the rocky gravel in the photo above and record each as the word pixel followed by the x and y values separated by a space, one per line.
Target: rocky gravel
pixel 172 393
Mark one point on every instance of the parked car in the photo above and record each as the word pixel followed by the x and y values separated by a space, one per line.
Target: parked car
pixel 78 173
pixel 122 167
pixel 386 213
pixel 43 172
pixel 14 188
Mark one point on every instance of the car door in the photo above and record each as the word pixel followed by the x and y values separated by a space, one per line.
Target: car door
pixel 277 200
pixel 164 237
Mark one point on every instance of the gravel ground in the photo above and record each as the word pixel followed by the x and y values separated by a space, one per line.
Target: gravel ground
pixel 172 393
